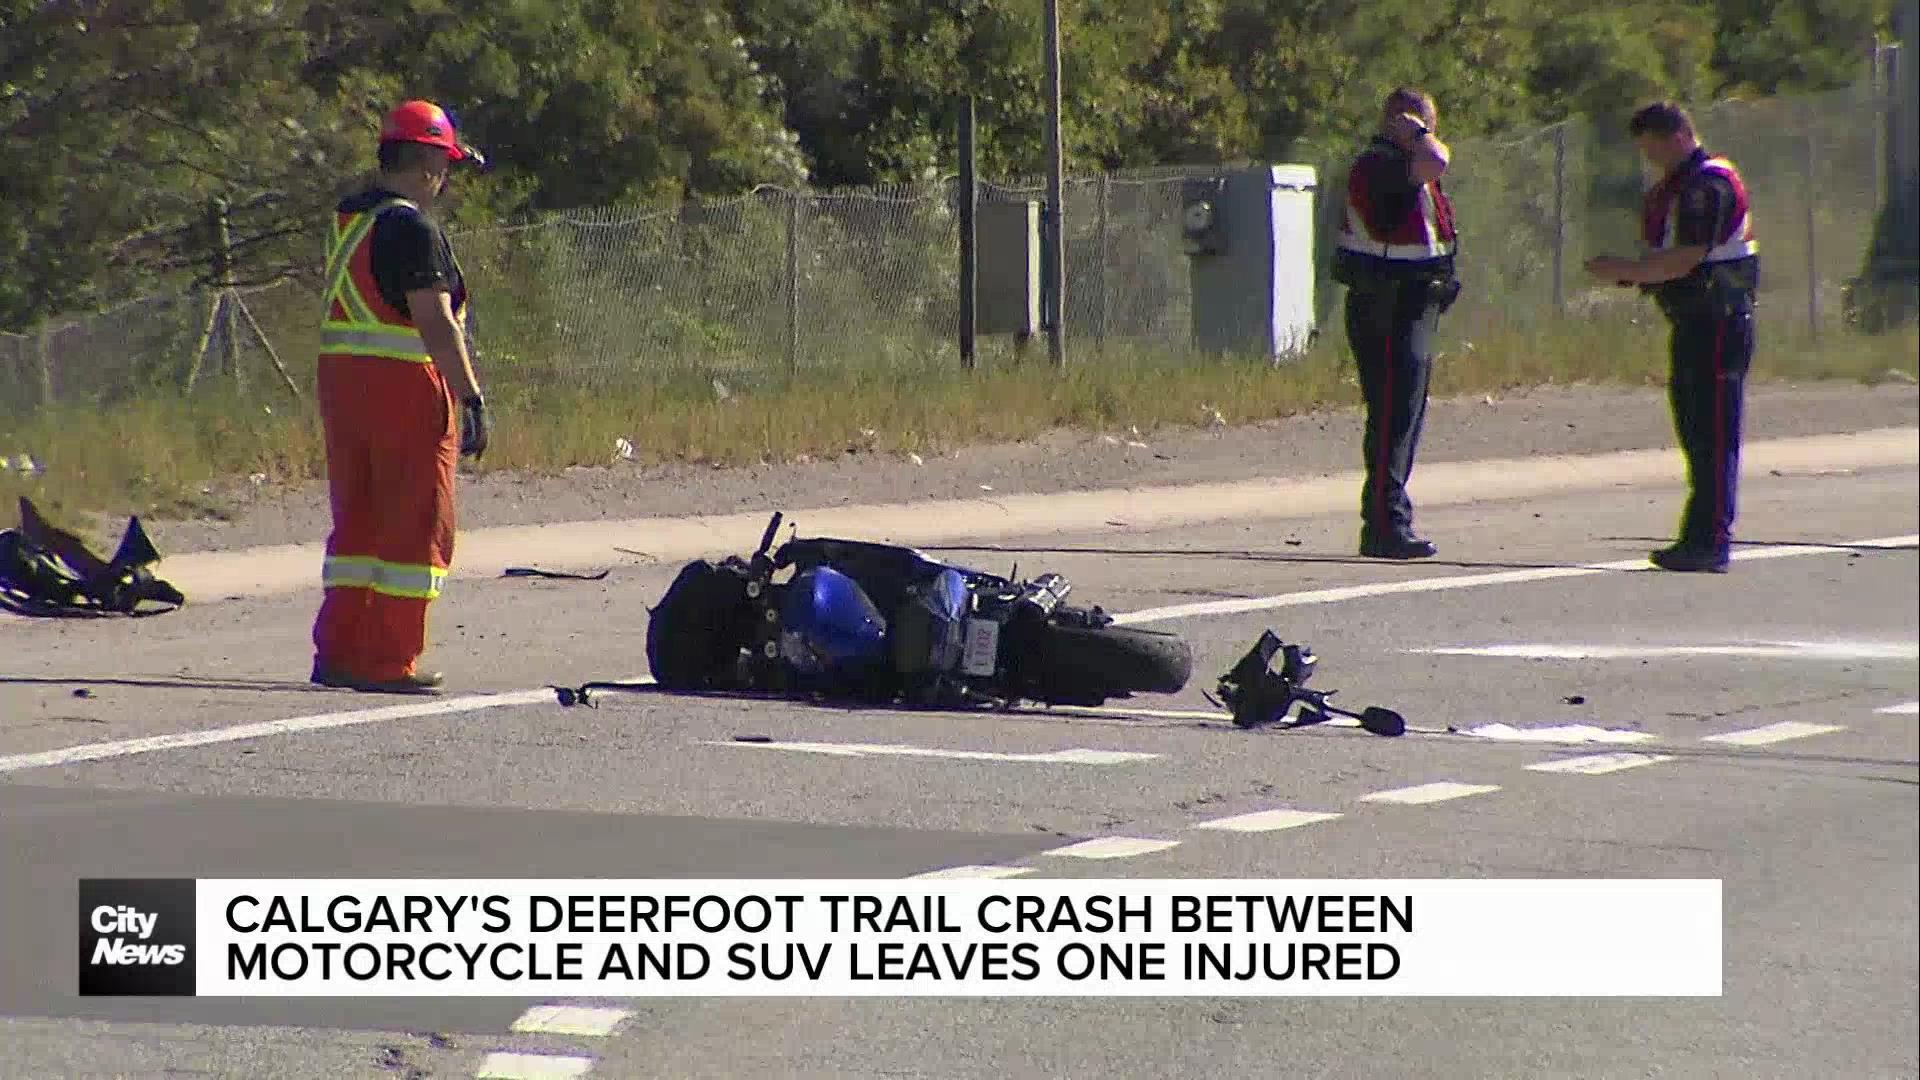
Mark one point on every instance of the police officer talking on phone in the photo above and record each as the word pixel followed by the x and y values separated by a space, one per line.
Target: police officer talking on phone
pixel 1395 255
pixel 1701 265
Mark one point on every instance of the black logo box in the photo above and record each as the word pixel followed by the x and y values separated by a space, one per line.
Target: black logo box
pixel 142 969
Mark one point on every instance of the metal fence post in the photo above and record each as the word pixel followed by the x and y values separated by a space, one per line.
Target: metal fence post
pixel 44 351
pixel 1103 303
pixel 969 236
pixel 1560 219
pixel 793 281
pixel 1813 264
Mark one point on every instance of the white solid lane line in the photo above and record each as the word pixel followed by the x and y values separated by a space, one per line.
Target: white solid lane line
pixel 1267 820
pixel 504 1066
pixel 1074 756
pixel 440 707
pixel 1599 764
pixel 1112 847
pixel 1421 794
pixel 569 1020
pixel 1773 733
pixel 1474 581
pixel 1777 650
pixel 293 725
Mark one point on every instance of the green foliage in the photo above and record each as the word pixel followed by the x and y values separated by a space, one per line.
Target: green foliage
pixel 122 121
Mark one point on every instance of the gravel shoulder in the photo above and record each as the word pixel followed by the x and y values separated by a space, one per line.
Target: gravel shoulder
pixel 1553 420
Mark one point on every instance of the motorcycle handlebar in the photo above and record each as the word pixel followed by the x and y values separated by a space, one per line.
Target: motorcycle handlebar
pixel 766 538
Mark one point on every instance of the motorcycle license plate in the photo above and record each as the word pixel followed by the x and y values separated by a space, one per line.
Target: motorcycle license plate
pixel 982 653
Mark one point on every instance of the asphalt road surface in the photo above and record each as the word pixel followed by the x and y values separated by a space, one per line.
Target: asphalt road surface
pixel 1777 756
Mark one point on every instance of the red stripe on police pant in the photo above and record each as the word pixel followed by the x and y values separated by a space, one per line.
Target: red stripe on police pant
pixel 1383 455
pixel 1719 425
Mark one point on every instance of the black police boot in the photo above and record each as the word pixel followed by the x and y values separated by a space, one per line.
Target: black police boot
pixel 1690 559
pixel 1401 546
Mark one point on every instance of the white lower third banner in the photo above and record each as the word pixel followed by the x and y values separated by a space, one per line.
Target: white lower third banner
pixel 892 938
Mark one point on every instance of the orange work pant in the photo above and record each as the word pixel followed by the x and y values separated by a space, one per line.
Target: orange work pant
pixel 393 443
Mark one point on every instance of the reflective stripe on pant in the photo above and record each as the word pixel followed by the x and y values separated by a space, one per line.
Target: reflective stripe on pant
pixel 1711 348
pixel 1390 329
pixel 392 441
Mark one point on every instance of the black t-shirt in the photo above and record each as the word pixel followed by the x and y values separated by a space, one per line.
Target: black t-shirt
pixel 409 251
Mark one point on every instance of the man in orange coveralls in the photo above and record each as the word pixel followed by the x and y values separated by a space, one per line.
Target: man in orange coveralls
pixel 393 365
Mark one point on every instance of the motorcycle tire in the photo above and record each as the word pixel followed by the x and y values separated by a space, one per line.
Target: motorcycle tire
pixel 1074 665
pixel 695 634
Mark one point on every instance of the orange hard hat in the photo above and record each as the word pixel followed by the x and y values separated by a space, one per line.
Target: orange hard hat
pixel 424 122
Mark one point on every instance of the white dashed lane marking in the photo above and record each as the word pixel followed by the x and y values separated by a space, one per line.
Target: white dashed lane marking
pixel 973 873
pixel 1599 764
pixel 505 1066
pixel 1772 733
pixel 569 1020
pixel 1267 821
pixel 1112 847
pixel 1421 794
pixel 1908 709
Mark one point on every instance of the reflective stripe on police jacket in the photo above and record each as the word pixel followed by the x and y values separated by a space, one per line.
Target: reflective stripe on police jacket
pixel 1740 243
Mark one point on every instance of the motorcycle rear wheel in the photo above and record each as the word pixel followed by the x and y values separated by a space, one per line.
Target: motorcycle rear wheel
pixel 1072 665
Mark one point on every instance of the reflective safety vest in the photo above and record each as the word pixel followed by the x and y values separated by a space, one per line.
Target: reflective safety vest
pixel 359 321
pixel 1424 232
pixel 1660 214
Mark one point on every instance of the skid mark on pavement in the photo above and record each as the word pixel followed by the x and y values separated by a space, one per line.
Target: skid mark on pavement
pixel 1772 733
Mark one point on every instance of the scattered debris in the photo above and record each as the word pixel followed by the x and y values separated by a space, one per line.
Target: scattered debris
pixel 622 449
pixel 83 692
pixel 1576 699
pixel 752 738
pixel 45 570
pixel 1259 696
pixel 527 571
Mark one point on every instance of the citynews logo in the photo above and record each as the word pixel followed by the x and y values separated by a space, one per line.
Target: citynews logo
pixel 136 937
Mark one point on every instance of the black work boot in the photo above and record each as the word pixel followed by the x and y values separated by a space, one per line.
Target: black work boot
pixel 1400 545
pixel 1690 559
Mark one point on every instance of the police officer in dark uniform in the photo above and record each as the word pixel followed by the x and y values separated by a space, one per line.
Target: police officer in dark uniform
pixel 1701 265
pixel 1395 255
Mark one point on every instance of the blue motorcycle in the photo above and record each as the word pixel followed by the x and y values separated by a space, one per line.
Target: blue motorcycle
pixel 884 623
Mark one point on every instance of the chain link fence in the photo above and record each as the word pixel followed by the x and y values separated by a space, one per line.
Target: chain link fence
pixel 861 281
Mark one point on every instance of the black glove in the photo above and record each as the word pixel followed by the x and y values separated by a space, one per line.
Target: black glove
pixel 474 427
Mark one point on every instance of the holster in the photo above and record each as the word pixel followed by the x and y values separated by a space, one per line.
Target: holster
pixel 1433 285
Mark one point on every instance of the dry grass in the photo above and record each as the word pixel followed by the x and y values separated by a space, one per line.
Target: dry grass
pixel 170 456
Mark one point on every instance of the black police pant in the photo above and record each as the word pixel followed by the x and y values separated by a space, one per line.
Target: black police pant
pixel 1390 327
pixel 1711 349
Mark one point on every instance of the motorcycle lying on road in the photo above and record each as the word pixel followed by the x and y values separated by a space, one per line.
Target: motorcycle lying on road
pixel 887 624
